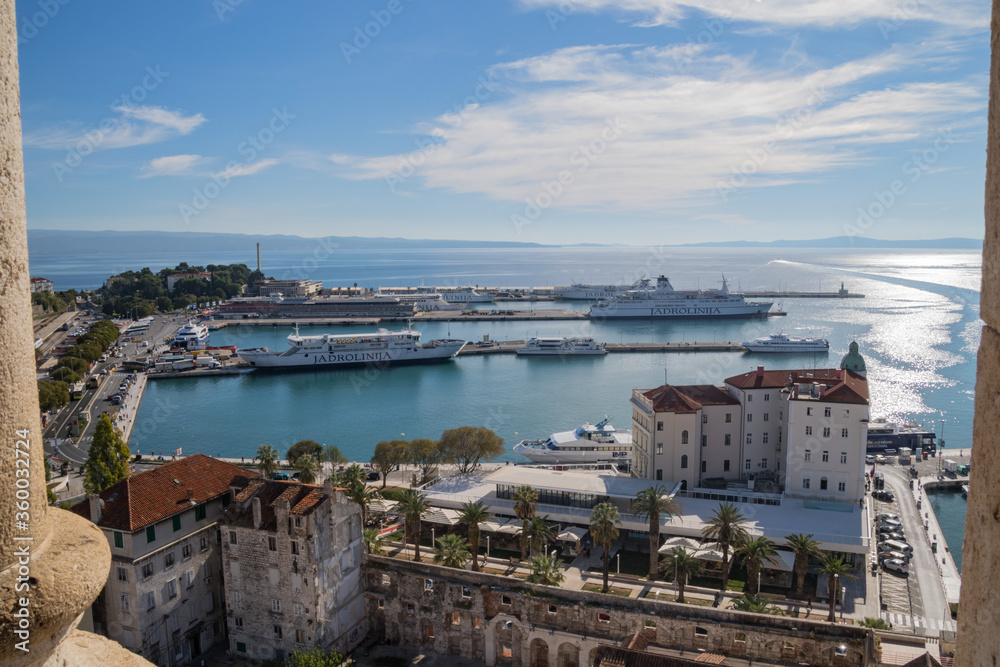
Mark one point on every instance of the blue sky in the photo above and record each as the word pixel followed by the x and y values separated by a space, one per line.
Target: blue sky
pixel 550 121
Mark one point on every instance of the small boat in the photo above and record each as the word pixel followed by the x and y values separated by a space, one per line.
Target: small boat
pixel 590 443
pixel 782 343
pixel 965 489
pixel 561 346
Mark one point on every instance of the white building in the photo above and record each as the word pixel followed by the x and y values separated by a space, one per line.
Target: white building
pixel 41 285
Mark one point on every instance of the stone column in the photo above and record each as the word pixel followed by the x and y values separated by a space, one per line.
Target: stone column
pixel 979 614
pixel 52 563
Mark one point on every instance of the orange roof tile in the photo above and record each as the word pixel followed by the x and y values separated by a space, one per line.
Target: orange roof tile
pixel 686 399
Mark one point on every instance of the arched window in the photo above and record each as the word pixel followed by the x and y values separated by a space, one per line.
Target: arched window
pixel 684 437
pixel 822 484
pixel 684 485
pixel 684 459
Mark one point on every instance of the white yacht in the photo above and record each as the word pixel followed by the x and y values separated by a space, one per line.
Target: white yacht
pixel 193 335
pixel 663 302
pixel 589 443
pixel 782 343
pixel 561 346
pixel 583 292
pixel 377 349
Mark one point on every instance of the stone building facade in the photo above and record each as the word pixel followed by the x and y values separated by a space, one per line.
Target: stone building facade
pixel 292 555
pixel 505 621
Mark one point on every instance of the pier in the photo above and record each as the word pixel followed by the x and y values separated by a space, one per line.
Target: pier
pixel 510 347
pixel 844 294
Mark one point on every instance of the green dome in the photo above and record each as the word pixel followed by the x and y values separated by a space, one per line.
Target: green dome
pixel 853 361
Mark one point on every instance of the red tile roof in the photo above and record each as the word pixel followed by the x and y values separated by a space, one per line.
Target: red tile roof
pixel 686 399
pixel 302 499
pixel 151 496
pixel 842 386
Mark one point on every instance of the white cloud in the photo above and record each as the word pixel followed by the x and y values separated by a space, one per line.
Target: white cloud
pixel 686 126
pixel 338 158
pixel 131 126
pixel 174 165
pixel 232 171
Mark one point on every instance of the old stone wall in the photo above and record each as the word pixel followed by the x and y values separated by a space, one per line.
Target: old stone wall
pixel 505 621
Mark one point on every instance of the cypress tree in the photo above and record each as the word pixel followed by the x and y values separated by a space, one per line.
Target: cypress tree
pixel 108 459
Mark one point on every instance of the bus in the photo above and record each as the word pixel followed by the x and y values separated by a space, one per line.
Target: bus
pixel 76 391
pixel 134 365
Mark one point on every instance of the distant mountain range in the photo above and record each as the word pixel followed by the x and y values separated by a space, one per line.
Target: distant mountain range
pixel 52 241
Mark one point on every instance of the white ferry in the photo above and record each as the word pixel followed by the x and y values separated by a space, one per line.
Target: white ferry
pixel 782 343
pixel 428 302
pixel 467 294
pixel 663 302
pixel 582 292
pixel 193 336
pixel 589 443
pixel 342 350
pixel 561 346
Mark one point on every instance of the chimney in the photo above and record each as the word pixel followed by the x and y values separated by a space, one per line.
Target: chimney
pixel 328 486
pixel 281 510
pixel 257 520
pixel 839 374
pixel 258 257
pixel 760 371
pixel 190 496
pixel 822 390
pixel 96 507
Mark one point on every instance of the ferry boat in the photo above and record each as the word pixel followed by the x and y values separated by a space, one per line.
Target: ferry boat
pixel 428 302
pixel 193 336
pixel 589 443
pixel 782 343
pixel 883 435
pixel 467 294
pixel 338 306
pixel 663 302
pixel 344 350
pixel 561 346
pixel 582 292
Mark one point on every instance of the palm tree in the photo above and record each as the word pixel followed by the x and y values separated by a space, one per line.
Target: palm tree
pixel 756 605
pixel 604 524
pixel 525 498
pixel 473 514
pixel 412 505
pixel 835 569
pixel 653 503
pixel 874 623
pixel 684 565
pixel 545 570
pixel 451 551
pixel 353 473
pixel 540 533
pixel 362 494
pixel 725 527
pixel 374 544
pixel 755 553
pixel 307 465
pixel 267 460
pixel 803 546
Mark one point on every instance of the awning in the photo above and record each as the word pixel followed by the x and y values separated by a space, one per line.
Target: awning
pixel 784 561
pixel 709 553
pixel 440 515
pixel 384 506
pixel 572 534
pixel 688 543
pixel 498 525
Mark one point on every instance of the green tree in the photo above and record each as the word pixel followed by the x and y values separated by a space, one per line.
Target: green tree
pixel 473 514
pixel 467 446
pixel 307 465
pixel 836 570
pixel 332 454
pixel 75 364
pixel 756 552
pixel 52 394
pixel 525 500
pixel 725 527
pixel 654 503
pixel 108 458
pixel 353 474
pixel 874 623
pixel 540 533
pixel 388 455
pixel 164 304
pixel 65 374
pixel 426 455
pixel 756 605
pixel 413 505
pixel 267 460
pixel 451 551
pixel 803 546
pixel 546 570
pixel 304 447
pixel 313 658
pixel 362 494
pixel 604 523
pixel 683 565
pixel 374 544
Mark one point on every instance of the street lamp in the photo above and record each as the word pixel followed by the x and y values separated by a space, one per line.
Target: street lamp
pixel 487 547
pixel 618 564
pixel 836 589
pixel 432 537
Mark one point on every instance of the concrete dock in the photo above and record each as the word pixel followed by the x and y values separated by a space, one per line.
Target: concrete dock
pixel 510 347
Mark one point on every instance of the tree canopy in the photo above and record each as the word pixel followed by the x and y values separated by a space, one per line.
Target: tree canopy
pixel 466 446
pixel 304 447
pixel 108 458
pixel 388 455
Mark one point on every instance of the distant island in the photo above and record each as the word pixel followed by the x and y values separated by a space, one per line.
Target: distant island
pixel 58 242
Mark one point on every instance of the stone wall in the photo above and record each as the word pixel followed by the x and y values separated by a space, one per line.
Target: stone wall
pixel 502 620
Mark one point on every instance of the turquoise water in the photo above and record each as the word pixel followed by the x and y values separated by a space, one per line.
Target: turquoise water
pixel 949 508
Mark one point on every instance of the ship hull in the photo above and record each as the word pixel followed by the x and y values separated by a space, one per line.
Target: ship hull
pixel 669 311
pixel 265 359
pixel 570 457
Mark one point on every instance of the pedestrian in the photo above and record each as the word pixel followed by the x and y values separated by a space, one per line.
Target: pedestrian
pixel 809 606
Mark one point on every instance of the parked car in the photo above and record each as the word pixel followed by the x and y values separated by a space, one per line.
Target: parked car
pixel 887 516
pixel 279 475
pixel 870 459
pixel 373 476
pixel 880 459
pixel 896 565
pixel 884 495
pixel 899 537
pixel 893 526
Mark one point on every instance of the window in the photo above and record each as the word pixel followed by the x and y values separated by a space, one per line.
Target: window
pixel 749 398
pixel 842 486
pixel 272 574
pixel 232 537
pixel 763 464
pixel 603 617
pixel 298 522
pixel 466 592
pixel 122 574
pixel 300 636
pixel 767 397
pixel 234 568
pixel 241 647
pixel 386 580
pixel 809 411
pixel 119 541
pixel 659 474
pixel 277 632
pixel 409 608
pixel 295 548
pixel 767 416
pixel 684 461
pixel 704 418
pixel 729 417
pixel 380 603
pixel 749 418
pixel 428 584
pixel 126 606
pixel 822 483
pixel 172 589
pixel 840 651
pixel 684 437
pixel 729 439
pixel 237 597
pixel 176 522
pixel 553 609
pixel 456 618
pixel 505 600
pixel 826 431
pixel 275 604
pixel 725 466
pixel 168 561
pixel 700 632
pixel 206 570
pixel 147 570
pixel 299 609
pixel 150 534
pixel 806 482
pixel 704 466
pixel 199 512
pixel 203 544
pixel 847 413
pixel 659 448
pixel 272 543
pixel 843 433
pixel 843 457
pixel 741 638
pixel 186 551
pixel 150 600
pixel 826 457
pixel 764 437
pixel 746 464
pixel 809 430
pixel 808 456
pixel 704 441
pixel 659 426
pixel 749 438
pixel 826 412
pixel 189 578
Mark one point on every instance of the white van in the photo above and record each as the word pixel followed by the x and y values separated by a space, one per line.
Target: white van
pixel 895 545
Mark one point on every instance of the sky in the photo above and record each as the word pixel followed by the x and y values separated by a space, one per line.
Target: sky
pixel 642 122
